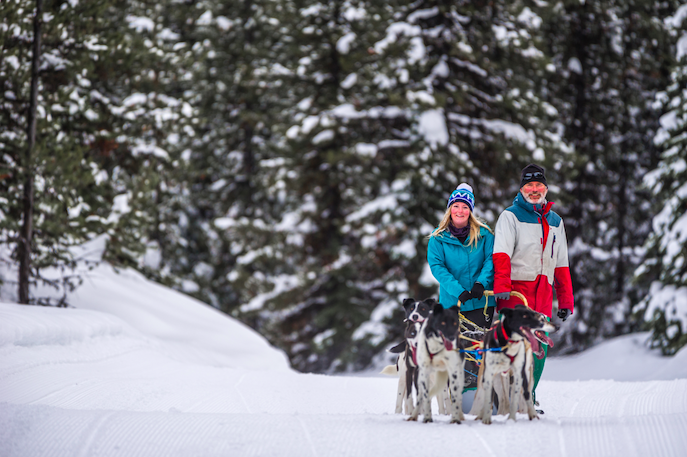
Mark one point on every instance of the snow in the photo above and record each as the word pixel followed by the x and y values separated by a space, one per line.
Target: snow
pixel 349 81
pixel 136 369
pixel 575 65
pixel 432 125
pixel 140 24
pixel 343 45
pixel 672 301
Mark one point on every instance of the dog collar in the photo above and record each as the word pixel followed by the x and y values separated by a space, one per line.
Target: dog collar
pixel 503 332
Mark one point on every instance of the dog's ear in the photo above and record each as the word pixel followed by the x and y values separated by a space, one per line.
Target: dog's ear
pixel 400 347
pixel 430 302
pixel 507 312
pixel 437 309
pixel 408 302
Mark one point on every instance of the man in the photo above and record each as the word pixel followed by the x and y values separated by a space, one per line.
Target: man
pixel 531 253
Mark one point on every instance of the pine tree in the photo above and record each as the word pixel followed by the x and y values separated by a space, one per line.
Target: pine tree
pixel 319 272
pixel 145 81
pixel 486 72
pixel 220 207
pixel 66 195
pixel 387 114
pixel 664 308
pixel 610 58
pixel 86 154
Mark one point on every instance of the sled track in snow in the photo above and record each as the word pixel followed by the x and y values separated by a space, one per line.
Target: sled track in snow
pixel 631 399
pixel 639 435
pixel 55 432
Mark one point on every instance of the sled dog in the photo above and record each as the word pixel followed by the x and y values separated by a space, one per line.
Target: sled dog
pixel 437 354
pixel 416 312
pixel 508 363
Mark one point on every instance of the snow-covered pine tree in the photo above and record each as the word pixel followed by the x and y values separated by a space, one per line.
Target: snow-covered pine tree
pixel 96 120
pixel 473 119
pixel 393 105
pixel 220 211
pixel 665 267
pixel 145 84
pixel 610 58
pixel 483 76
pixel 70 203
pixel 323 269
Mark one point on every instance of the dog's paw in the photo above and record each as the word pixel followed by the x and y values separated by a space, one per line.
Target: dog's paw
pixel 427 420
pixel 455 420
pixel 412 419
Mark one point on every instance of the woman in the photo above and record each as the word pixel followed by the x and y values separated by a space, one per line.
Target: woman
pixel 459 255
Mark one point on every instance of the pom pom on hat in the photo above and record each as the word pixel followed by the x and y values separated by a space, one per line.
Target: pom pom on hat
pixel 463 193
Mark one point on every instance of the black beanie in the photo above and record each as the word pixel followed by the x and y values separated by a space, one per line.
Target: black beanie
pixel 533 173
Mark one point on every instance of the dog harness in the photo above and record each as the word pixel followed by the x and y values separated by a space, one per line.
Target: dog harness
pixel 497 337
pixel 413 353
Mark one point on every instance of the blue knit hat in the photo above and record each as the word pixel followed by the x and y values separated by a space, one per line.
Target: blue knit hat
pixel 463 193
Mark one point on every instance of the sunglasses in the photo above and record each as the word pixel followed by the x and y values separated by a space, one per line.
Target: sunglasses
pixel 536 174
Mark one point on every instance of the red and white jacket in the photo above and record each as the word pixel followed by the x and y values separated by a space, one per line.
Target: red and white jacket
pixel 531 257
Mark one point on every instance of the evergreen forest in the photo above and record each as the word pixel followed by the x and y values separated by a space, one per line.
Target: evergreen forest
pixel 285 160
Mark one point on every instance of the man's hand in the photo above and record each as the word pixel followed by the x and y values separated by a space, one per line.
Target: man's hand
pixel 465 296
pixel 563 313
pixel 502 296
pixel 477 291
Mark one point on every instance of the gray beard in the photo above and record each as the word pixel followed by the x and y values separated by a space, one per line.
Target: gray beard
pixel 540 201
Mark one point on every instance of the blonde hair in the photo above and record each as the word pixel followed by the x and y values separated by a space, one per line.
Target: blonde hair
pixel 475 226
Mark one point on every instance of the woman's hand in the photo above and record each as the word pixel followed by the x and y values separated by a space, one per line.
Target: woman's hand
pixel 477 291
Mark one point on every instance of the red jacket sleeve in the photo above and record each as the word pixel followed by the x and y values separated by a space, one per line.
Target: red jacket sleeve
pixel 563 285
pixel 501 272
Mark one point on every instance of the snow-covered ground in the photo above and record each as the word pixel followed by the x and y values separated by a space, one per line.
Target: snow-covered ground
pixel 136 369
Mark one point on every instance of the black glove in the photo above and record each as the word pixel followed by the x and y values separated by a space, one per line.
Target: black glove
pixel 465 296
pixel 477 291
pixel 502 296
pixel 563 313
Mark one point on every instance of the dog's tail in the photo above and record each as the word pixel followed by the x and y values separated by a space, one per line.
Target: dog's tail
pixel 391 370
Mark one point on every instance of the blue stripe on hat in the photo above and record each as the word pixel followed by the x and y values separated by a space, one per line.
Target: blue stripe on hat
pixel 463 193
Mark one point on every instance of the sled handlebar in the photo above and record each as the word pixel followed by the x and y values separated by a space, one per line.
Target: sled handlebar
pixel 489 293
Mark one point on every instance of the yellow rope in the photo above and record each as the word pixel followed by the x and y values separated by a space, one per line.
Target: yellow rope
pixel 475 327
pixel 463 319
pixel 470 339
pixel 470 358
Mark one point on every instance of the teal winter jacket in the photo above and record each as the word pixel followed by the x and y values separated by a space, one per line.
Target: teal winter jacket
pixel 458 267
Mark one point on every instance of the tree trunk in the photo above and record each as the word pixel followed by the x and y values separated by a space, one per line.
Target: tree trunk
pixel 27 227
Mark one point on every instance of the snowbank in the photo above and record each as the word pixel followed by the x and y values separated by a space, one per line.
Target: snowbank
pixel 192 330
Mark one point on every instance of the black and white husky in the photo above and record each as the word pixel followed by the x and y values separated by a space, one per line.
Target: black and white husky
pixel 416 311
pixel 508 363
pixel 438 357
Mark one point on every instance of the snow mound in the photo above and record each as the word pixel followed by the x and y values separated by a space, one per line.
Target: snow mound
pixel 125 303
pixel 625 358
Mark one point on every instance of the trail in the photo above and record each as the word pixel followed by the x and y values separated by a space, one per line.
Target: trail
pixel 75 382
pixel 142 403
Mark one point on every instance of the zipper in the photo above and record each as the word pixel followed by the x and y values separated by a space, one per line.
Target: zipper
pixel 552 245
